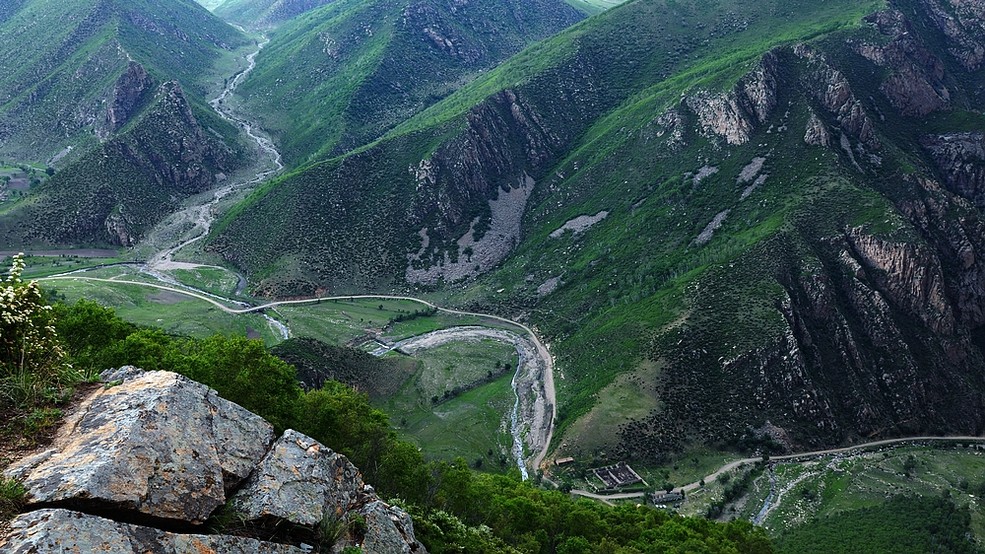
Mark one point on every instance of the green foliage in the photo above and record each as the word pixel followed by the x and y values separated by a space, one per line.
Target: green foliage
pixel 903 524
pixel 12 494
pixel 340 76
pixel 533 520
pixel 33 368
pixel 454 508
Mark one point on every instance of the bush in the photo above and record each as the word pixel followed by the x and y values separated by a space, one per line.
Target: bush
pixel 32 362
pixel 12 494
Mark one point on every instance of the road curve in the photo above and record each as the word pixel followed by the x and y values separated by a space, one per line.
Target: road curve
pixel 607 498
pixel 547 378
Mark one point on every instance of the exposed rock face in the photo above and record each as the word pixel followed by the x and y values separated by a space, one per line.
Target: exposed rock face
pixel 916 86
pixel 159 444
pixel 486 168
pixel 45 531
pixel 302 482
pixel 817 133
pixel 961 23
pixel 831 89
pixel 960 157
pixel 733 115
pixel 129 93
pixel 159 452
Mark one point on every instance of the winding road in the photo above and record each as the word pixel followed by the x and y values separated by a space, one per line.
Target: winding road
pixel 608 498
pixel 536 406
pixel 533 383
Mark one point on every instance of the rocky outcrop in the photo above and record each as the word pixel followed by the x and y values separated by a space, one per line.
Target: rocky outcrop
pixel 817 133
pixel 961 23
pixel 45 531
pixel 916 85
pixel 831 89
pixel 960 158
pixel 158 444
pixel 159 454
pixel 733 115
pixel 319 482
pixel 130 92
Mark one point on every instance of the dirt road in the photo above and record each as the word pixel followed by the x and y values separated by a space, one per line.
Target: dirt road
pixel 534 381
pixel 814 454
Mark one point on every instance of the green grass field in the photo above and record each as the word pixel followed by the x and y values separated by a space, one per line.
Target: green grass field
pixel 169 311
pixel 473 424
pixel 471 421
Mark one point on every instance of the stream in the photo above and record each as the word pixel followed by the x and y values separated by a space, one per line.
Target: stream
pixel 202 216
pixel 529 408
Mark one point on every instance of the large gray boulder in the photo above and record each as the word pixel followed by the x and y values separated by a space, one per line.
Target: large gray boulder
pixel 50 531
pixel 304 483
pixel 155 443
pixel 389 530
pixel 300 481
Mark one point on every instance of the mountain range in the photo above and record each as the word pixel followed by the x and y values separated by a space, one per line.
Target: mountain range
pixel 742 224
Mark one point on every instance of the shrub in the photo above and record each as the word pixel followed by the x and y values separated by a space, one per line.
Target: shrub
pixel 12 494
pixel 32 360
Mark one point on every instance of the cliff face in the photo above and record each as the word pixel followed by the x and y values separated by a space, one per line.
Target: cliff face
pixel 142 465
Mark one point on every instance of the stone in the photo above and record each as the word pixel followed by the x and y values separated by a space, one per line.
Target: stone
pixel 57 530
pixel 157 443
pixel 388 530
pixel 303 482
pixel 300 481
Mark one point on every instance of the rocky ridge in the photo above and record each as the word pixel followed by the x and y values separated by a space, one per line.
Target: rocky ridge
pixel 143 463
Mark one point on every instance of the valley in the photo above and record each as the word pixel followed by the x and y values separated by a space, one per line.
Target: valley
pixel 721 257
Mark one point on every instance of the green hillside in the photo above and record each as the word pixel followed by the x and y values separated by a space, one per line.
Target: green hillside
pixel 340 76
pixel 66 72
pixel 126 84
pixel 714 210
pixel 261 14
pixel 112 194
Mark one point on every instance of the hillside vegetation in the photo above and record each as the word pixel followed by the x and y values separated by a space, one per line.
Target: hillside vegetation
pixel 126 84
pixel 262 14
pixel 715 210
pixel 45 351
pixel 341 75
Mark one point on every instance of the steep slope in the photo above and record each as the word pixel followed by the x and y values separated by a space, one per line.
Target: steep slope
pixel 113 193
pixel 62 61
pixel 125 83
pixel 340 76
pixel 742 223
pixel 261 14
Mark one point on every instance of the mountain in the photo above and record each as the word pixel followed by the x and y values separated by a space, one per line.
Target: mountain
pixel 342 75
pixel 113 193
pixel 66 72
pixel 741 224
pixel 260 14
pixel 125 83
